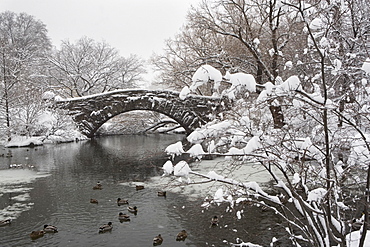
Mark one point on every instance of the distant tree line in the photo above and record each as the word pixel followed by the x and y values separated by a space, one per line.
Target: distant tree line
pixel 31 66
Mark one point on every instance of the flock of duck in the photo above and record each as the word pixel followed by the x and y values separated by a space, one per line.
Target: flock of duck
pixel 34 234
pixel 157 240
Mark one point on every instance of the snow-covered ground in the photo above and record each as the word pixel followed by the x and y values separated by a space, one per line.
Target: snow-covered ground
pixel 195 186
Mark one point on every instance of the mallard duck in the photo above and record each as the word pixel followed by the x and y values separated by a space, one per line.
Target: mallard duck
pixel 98 186
pixel 162 193
pixel 139 187
pixel 93 201
pixel 181 236
pixel 50 229
pixel 5 222
pixel 157 240
pixel 37 234
pixel 123 217
pixel 132 209
pixel 214 221
pixel 121 201
pixel 105 228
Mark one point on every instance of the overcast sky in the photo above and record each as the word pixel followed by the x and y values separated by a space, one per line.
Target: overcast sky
pixel 132 26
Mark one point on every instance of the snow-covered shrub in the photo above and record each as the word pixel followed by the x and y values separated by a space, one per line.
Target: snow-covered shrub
pixel 294 155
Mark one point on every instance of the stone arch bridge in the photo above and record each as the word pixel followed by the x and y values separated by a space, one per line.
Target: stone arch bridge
pixel 91 112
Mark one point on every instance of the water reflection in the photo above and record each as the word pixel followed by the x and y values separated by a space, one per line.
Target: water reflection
pixel 59 194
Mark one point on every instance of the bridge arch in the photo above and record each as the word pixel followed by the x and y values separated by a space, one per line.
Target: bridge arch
pixel 91 112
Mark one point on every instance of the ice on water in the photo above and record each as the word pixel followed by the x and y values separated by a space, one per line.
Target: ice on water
pixel 15 184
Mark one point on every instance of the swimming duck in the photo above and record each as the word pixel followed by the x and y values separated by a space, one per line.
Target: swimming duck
pixel 5 222
pixel 139 187
pixel 157 240
pixel 123 217
pixel 50 229
pixel 37 234
pixel 98 186
pixel 181 236
pixel 132 209
pixel 214 221
pixel 162 193
pixel 121 201
pixel 93 201
pixel 105 228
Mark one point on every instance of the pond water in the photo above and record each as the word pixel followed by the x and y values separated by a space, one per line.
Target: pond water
pixel 58 189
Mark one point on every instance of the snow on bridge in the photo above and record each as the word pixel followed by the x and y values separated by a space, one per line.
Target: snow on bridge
pixel 91 112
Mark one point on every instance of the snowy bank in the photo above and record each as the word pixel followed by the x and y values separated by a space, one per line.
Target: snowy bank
pixel 23 141
pixel 58 137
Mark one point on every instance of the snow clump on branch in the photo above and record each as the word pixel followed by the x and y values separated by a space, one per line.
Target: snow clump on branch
pixel 204 74
pixel 175 149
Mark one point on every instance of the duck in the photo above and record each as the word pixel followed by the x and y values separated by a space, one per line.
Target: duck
pixel 123 217
pixel 106 227
pixel 5 222
pixel 121 201
pixel 98 186
pixel 181 236
pixel 162 193
pixel 139 187
pixel 214 221
pixel 132 209
pixel 37 234
pixel 50 228
pixel 93 201
pixel 157 240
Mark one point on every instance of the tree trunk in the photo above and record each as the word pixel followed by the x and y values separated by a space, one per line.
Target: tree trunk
pixel 277 116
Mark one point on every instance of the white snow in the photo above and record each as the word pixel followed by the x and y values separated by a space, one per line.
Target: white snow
pixel 184 92
pixel 271 52
pixel 24 141
pixel 48 95
pixel 181 169
pixel 239 214
pixel 253 144
pixel 219 196
pixel 175 149
pixel 241 80
pixel 167 168
pixel 17 181
pixel 262 97
pixel 316 24
pixel 353 239
pixel 203 74
pixel 246 244
pixel 291 84
pixel 211 147
pixel 288 65
pixel 215 176
pixel 214 129
pixel 324 42
pixel 18 176
pixel 296 178
pixel 366 66
pixel 196 151
pixel 316 195
pixel 359 153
